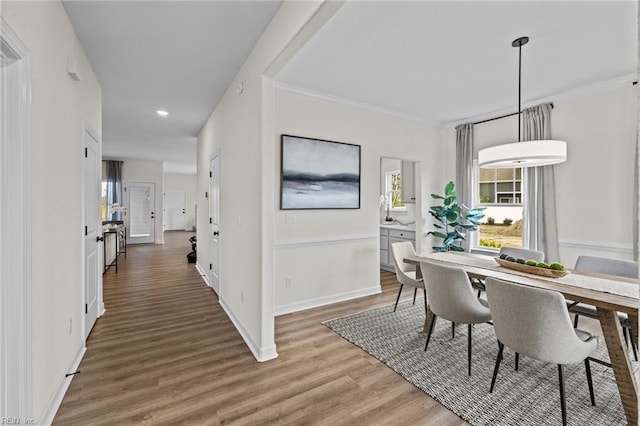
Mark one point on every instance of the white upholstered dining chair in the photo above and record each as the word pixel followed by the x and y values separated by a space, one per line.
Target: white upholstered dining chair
pixel 451 297
pixel 616 267
pixel 535 322
pixel 405 273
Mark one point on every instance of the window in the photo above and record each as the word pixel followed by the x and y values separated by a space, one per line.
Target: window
pixel 103 200
pixel 393 187
pixel 500 191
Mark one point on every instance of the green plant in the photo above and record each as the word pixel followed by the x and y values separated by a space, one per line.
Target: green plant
pixel 491 221
pixel 453 220
pixel 507 221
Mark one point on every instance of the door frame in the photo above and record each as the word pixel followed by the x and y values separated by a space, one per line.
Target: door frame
pixel 15 228
pixel 87 129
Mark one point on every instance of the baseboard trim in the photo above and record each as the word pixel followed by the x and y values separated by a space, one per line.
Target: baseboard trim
pixel 56 399
pixel 326 300
pixel 203 274
pixel 261 354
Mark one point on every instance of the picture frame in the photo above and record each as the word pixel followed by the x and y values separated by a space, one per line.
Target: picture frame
pixel 318 174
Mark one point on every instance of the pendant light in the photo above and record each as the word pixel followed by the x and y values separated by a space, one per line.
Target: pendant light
pixel 527 153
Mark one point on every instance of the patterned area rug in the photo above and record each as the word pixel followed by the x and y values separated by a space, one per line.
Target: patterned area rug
pixel 529 396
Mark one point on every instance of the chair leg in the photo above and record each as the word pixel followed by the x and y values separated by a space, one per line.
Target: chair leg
pixel 415 291
pixel 425 301
pixel 575 321
pixel 469 348
pixel 587 367
pixel 624 334
pixel 517 360
pixel 495 369
pixel 433 323
pixel 453 330
pixel 563 406
pixel 479 293
pixel 398 298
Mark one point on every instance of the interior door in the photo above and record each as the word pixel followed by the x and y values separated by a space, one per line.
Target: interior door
pixel 92 231
pixel 214 221
pixel 140 212
pixel 175 210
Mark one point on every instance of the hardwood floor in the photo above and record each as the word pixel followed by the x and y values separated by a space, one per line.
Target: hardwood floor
pixel 166 353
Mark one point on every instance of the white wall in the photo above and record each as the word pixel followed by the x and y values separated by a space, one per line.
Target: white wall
pixel 188 183
pixel 240 130
pixel 332 255
pixel 594 187
pixel 60 109
pixel 149 172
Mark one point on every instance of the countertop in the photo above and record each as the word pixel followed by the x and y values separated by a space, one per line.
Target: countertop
pixel 398 226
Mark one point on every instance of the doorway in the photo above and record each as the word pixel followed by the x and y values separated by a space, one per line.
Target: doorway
pixel 141 203
pixel 175 210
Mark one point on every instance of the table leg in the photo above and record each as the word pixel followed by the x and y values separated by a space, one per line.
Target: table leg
pixel 626 380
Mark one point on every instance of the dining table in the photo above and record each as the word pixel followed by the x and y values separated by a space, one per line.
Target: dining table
pixel 609 294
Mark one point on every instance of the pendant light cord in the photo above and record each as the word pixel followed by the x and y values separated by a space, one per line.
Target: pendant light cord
pixel 519 89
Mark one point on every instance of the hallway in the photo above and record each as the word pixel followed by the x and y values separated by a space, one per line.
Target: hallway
pixel 166 353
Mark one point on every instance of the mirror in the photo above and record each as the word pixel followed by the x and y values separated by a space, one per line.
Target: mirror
pixel 397 190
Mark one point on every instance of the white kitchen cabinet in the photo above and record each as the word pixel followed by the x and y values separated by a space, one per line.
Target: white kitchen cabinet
pixel 389 236
pixel 408 188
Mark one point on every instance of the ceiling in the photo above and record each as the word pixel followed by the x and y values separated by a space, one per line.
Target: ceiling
pixel 447 62
pixel 178 56
pixel 438 62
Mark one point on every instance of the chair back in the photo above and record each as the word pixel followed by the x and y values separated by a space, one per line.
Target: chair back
pixel 534 322
pixel 451 296
pixel 525 254
pixel 603 265
pixel 400 251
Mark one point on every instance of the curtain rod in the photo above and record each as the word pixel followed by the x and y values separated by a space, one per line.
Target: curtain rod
pixel 498 118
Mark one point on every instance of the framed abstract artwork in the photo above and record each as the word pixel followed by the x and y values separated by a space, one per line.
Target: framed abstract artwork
pixel 319 174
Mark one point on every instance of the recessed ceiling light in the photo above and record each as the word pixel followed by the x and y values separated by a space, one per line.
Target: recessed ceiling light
pixel 162 113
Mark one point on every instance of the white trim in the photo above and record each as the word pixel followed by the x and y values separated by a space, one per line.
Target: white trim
pixel 306 242
pixel 16 318
pixel 261 354
pixel 576 92
pixel 326 300
pixel 160 242
pixel 50 410
pixel 203 274
pixel 351 103
pixel 597 245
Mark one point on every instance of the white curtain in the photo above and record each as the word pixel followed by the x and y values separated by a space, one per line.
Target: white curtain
pixel 540 226
pixel 465 176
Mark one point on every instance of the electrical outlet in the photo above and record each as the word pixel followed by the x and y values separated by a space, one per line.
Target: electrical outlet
pixel 291 219
pixel 239 220
pixel 287 282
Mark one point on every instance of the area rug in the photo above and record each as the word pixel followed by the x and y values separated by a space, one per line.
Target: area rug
pixel 529 396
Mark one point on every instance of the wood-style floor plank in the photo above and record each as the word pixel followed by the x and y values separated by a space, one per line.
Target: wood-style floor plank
pixel 166 353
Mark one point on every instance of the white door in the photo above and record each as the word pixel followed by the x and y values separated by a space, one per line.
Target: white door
pixel 140 212
pixel 92 231
pixel 175 210
pixel 214 220
pixel 141 203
